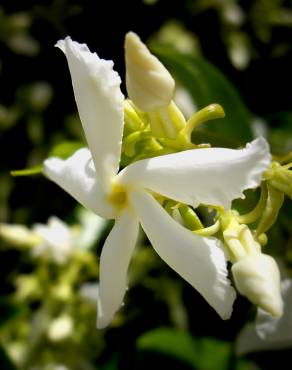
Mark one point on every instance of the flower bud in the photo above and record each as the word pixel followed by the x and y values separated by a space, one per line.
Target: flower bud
pixel 257 277
pixel 18 235
pixel 149 84
pixel 60 328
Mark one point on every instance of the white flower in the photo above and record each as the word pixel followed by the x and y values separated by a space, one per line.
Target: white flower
pixel 56 239
pixel 89 291
pixel 211 176
pixel 269 333
pixel 91 228
pixel 60 328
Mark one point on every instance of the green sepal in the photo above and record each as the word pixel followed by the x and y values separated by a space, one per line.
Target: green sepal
pixel 36 170
pixel 274 202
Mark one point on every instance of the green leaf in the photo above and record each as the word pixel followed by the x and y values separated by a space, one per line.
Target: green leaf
pixel 65 149
pixel 200 353
pixel 62 150
pixel 208 85
pixel 221 352
pixel 170 342
pixel 7 310
pixel 112 364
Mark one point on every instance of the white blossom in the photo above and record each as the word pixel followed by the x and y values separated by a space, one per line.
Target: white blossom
pixel 56 240
pixel 211 176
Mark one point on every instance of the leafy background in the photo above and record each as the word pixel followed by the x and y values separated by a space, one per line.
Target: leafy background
pixel 236 53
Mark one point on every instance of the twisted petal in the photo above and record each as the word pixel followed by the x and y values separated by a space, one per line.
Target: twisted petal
pixel 212 176
pixel 77 176
pixel 114 262
pixel 100 104
pixel 200 261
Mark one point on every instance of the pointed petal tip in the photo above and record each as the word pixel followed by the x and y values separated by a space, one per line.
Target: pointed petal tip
pixel 227 309
pixel 274 308
pixel 102 322
pixel 131 37
pixel 258 152
pixel 100 104
pixel 61 44
pixel 223 290
pixel 52 164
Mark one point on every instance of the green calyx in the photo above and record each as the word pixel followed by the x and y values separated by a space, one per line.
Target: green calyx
pixel 163 131
pixel 279 176
pixel 238 238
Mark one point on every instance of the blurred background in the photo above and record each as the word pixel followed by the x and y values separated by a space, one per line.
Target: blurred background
pixel 236 53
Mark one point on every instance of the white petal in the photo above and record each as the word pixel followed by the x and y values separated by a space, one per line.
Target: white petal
pixel 77 176
pixel 212 176
pixel 114 262
pixel 100 104
pixel 200 261
pixel 56 232
pixel 269 333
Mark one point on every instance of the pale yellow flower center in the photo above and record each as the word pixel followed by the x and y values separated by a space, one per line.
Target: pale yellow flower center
pixel 118 196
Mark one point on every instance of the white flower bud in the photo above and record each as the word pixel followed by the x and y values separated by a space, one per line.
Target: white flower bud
pixel 18 235
pixel 257 277
pixel 60 328
pixel 149 84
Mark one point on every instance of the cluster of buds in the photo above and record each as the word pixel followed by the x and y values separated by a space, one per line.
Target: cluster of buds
pixel 154 125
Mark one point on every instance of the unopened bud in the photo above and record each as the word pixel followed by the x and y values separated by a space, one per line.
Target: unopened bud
pixel 149 84
pixel 60 328
pixel 257 277
pixel 18 235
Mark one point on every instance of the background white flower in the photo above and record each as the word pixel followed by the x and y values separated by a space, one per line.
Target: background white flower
pixel 269 333
pixel 56 239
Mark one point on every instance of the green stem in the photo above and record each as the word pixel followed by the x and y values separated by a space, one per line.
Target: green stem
pixel 190 218
pixel 257 212
pixel 210 112
pixel 209 231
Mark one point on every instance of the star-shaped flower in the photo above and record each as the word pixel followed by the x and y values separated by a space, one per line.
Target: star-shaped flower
pixel 56 239
pixel 210 176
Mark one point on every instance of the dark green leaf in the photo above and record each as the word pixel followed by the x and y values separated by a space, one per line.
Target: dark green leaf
pixel 171 342
pixel 65 149
pixel 7 310
pixel 208 85
pixel 199 353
